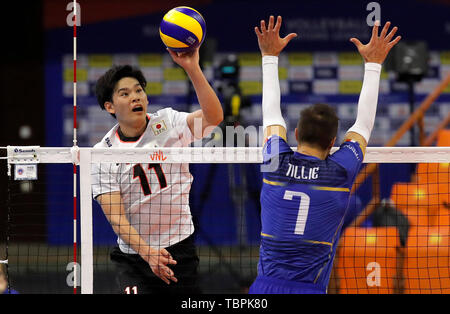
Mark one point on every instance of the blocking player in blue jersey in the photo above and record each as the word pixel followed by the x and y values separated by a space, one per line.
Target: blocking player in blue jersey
pixel 305 192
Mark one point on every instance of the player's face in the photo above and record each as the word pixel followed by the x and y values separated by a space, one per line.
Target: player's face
pixel 129 101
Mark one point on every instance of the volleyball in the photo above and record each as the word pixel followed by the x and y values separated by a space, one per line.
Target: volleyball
pixel 182 29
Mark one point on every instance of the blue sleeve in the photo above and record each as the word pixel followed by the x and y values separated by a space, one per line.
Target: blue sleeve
pixel 349 156
pixel 355 207
pixel 274 146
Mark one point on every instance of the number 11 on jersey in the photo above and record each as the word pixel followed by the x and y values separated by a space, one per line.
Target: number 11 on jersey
pixel 138 172
pixel 302 209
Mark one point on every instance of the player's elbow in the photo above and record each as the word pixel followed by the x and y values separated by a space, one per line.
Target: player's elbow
pixel 216 119
pixel 219 119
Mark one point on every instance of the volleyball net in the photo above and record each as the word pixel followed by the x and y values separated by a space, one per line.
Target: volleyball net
pixel 395 237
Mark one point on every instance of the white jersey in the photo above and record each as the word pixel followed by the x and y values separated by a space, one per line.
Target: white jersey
pixel 155 196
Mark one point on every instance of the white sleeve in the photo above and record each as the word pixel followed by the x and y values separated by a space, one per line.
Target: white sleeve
pixel 271 93
pixel 368 99
pixel 104 179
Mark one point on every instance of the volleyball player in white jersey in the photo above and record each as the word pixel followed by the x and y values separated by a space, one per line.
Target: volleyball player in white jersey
pixel 148 204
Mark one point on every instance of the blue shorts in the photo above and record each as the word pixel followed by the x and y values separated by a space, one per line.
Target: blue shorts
pixel 269 285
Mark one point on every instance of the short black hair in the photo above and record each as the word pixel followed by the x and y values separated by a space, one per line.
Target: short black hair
pixel 107 82
pixel 318 125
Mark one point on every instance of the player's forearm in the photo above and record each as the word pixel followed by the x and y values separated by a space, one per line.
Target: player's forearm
pixel 368 100
pixel 271 97
pixel 130 236
pixel 207 98
pixel 112 206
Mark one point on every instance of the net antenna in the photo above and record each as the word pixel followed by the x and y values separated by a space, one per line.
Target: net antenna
pixel 75 147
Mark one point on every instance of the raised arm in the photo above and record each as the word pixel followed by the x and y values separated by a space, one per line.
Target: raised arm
pixel 271 44
pixel 374 53
pixel 211 112
pixel 158 260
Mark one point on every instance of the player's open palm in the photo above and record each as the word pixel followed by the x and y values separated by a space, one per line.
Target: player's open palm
pixel 379 46
pixel 269 40
pixel 159 261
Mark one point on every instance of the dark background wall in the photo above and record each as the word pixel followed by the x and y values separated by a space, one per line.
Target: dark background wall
pixel 22 84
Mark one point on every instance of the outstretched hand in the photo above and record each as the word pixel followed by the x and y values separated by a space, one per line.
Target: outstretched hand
pixel 379 46
pixel 269 40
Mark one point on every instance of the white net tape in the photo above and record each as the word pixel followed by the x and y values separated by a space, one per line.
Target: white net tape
pixel 37 154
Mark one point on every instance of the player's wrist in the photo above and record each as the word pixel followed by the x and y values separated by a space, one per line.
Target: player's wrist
pixel 192 68
pixel 269 59
pixel 373 66
pixel 146 251
pixel 195 74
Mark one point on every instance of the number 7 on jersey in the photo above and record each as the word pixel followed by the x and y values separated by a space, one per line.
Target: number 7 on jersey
pixel 302 209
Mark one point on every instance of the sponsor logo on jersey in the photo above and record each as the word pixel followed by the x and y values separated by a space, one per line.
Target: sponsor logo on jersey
pixel 353 149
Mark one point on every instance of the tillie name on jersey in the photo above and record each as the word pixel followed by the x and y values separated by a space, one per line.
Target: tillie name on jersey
pixel 303 174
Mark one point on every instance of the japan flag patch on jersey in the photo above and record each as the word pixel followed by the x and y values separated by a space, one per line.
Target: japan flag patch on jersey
pixel 159 127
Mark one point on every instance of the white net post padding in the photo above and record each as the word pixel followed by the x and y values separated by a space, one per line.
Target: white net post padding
pixel 86 225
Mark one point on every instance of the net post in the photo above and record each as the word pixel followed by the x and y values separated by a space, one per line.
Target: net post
pixel 87 273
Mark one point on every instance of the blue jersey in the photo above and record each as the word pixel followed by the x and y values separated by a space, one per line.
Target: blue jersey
pixel 303 205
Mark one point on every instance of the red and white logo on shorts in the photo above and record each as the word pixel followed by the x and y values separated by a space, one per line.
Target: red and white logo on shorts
pixel 131 290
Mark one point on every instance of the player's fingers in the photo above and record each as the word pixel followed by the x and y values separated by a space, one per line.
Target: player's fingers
pixel 263 26
pixel 385 29
pixel 257 32
pixel 186 53
pixel 375 29
pixel 165 273
pixel 163 278
pixel 162 261
pixel 168 272
pixel 161 274
pixel 271 22
pixel 168 256
pixel 394 42
pixel 289 37
pixel 194 51
pixel 172 53
pixel 167 279
pixel 169 275
pixel 391 34
pixel 278 24
pixel 357 43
